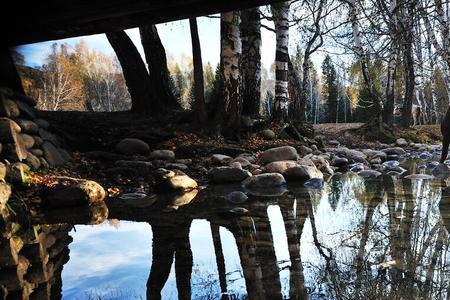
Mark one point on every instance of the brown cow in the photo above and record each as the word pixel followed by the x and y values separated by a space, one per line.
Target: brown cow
pixel 445 130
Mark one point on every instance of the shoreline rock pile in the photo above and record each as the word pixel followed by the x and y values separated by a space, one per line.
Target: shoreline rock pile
pixel 25 139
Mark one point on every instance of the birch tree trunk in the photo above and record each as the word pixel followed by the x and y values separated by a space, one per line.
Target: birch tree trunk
pixel 360 53
pixel 199 89
pixel 230 54
pixel 134 71
pixel 251 61
pixel 155 55
pixel 280 12
pixel 388 111
pixel 408 60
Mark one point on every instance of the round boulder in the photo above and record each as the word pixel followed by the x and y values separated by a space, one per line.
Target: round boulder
pixel 131 146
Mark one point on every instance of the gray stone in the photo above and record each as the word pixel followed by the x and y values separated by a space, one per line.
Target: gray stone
pixel 268 134
pixel 322 164
pixel 138 199
pixel 79 193
pixel 26 110
pixel 24 98
pixel 236 197
pixel 441 171
pixel 357 167
pixel 139 164
pixel 339 162
pixel 394 151
pixel 174 166
pixel 419 177
pixel 425 155
pixel 401 142
pixel 162 155
pixel 8 108
pixel 42 123
pixel 44 163
pixel 37 152
pixel 265 181
pixel 131 146
pixel 52 154
pixel 28 140
pixel 390 164
pixel 240 211
pixel 33 161
pixel 248 156
pixel 28 126
pixel 174 181
pixel 220 159
pixel 279 154
pixel 302 173
pixel 38 140
pixel 369 173
pixel 373 154
pixel 235 164
pixel 243 161
pixel 65 154
pixel 185 161
pixel 333 143
pixel 227 174
pixel 314 183
pixel 393 173
pixel 305 150
pixel 355 155
pixel 47 136
pixel 280 166
pixel 375 161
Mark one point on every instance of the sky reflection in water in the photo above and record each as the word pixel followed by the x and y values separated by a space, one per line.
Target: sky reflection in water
pixel 380 239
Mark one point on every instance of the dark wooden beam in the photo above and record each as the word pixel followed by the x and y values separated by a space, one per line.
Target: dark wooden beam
pixel 53 19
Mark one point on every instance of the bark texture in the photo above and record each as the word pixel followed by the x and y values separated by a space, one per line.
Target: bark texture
pixel 251 61
pixel 231 49
pixel 134 71
pixel 280 12
pixel 155 55
pixel 199 89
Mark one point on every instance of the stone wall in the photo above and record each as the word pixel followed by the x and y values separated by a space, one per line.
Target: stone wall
pixel 31 261
pixel 26 141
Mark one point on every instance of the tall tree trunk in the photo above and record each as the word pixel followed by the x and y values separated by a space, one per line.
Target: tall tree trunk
pixel 360 53
pixel 155 55
pixel 388 111
pixel 251 61
pixel 199 89
pixel 230 52
pixel 134 71
pixel 280 12
pixel 295 89
pixel 409 81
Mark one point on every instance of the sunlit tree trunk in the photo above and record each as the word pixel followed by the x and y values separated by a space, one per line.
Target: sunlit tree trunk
pixel 251 61
pixel 231 49
pixel 199 89
pixel 362 57
pixel 280 12
pixel 134 72
pixel 388 111
pixel 155 55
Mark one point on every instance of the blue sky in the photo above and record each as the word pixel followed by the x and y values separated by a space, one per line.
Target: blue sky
pixel 174 35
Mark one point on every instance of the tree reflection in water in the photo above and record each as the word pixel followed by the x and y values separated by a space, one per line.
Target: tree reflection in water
pixel 354 239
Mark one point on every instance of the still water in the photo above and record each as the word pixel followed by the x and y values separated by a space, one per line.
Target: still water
pixel 385 238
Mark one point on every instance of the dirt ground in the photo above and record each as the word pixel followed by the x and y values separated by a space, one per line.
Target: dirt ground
pixel 348 134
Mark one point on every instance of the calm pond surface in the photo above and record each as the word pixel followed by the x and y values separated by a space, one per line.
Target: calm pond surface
pixel 355 238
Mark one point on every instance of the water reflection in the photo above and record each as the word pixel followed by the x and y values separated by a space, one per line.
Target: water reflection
pixel 354 239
